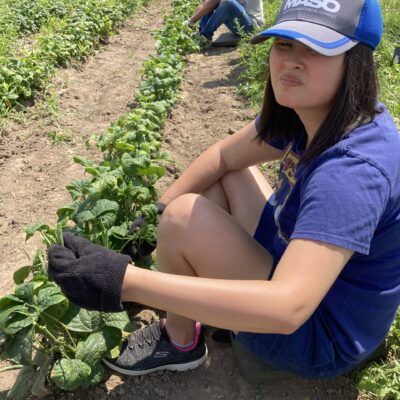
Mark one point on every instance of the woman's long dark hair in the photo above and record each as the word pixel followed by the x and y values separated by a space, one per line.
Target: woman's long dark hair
pixel 355 104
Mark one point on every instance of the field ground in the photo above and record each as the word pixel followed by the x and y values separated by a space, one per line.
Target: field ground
pixel 34 171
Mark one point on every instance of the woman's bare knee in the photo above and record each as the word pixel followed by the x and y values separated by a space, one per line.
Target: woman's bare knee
pixel 173 236
pixel 192 240
pixel 176 215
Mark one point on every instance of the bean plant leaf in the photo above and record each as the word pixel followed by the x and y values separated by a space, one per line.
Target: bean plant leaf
pixel 83 161
pixel 113 353
pixel 26 291
pixel 153 170
pixel 16 322
pixel 108 220
pixel 105 206
pixel 118 231
pixel 104 344
pixel 78 187
pixel 117 320
pixel 113 338
pixel 10 298
pixel 97 375
pixel 49 295
pixel 9 305
pixel 99 345
pixel 64 213
pixel 21 274
pixel 22 384
pixel 32 229
pixel 141 194
pixel 131 165
pixel 52 315
pixel 18 347
pixel 123 146
pixel 82 320
pixel 70 374
pixel 84 216
pixel 40 278
pixel 92 171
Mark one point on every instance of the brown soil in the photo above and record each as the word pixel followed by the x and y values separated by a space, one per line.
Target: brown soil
pixel 34 172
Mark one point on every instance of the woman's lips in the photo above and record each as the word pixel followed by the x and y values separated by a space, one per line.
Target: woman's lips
pixel 290 80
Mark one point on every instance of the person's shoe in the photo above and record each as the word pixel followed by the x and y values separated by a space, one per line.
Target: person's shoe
pixel 150 349
pixel 226 39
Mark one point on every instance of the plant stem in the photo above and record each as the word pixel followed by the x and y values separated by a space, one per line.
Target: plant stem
pixel 64 327
pixel 11 367
pixel 46 332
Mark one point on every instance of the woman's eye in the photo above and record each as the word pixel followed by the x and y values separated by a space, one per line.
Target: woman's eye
pixel 283 45
pixel 311 52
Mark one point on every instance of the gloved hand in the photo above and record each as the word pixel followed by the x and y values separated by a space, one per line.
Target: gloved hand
pixel 90 276
pixel 140 249
pixel 187 23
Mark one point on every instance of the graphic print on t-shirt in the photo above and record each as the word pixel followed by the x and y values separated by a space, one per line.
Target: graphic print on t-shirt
pixel 287 180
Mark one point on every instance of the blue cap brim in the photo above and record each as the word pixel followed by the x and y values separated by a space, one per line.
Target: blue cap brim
pixel 319 38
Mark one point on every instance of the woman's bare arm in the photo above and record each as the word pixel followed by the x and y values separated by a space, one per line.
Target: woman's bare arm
pixel 303 277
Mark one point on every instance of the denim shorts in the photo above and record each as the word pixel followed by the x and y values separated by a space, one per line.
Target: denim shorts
pixel 309 352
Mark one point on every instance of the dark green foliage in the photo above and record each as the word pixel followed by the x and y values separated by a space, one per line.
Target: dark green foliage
pixel 70 342
pixel 66 30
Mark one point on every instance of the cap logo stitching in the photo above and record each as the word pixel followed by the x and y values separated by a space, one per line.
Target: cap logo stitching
pixel 332 6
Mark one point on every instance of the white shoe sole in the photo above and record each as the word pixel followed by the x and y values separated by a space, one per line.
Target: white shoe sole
pixel 171 367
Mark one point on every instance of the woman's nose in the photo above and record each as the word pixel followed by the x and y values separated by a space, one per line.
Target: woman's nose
pixel 293 60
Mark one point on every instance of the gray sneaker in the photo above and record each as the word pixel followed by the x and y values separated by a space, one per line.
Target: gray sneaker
pixel 149 349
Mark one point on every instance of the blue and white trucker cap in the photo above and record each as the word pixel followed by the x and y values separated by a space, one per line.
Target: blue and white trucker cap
pixel 330 27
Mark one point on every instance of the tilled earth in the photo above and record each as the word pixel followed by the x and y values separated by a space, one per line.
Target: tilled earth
pixel 84 100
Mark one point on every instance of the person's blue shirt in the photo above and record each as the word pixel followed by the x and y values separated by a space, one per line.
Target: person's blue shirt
pixel 349 196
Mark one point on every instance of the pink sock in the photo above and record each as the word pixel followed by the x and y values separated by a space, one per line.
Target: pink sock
pixel 186 347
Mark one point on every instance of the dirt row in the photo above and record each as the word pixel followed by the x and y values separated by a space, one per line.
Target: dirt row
pixel 34 172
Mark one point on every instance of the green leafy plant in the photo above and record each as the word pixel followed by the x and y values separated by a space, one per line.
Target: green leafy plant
pixel 66 30
pixel 56 344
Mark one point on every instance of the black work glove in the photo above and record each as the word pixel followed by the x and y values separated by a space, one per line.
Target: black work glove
pixel 139 249
pixel 90 276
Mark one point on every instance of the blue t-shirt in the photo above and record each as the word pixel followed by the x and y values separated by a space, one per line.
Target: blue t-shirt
pixel 349 196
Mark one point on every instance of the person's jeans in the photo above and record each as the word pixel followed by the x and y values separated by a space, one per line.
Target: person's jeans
pixel 227 12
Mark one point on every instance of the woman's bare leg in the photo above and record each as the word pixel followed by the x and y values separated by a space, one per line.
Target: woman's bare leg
pixel 211 236
pixel 242 194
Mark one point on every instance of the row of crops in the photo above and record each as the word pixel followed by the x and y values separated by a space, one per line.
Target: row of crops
pixel 38 36
pixel 56 344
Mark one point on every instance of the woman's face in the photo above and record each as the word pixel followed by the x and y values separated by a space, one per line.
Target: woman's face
pixel 302 79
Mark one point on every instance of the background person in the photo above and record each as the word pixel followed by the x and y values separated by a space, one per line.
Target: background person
pixel 308 276
pixel 212 14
